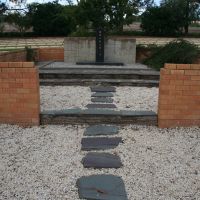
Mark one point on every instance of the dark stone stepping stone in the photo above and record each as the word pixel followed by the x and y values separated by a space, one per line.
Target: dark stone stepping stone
pixel 102 99
pixel 99 105
pixel 103 89
pixel 100 143
pixel 101 130
pixel 101 187
pixel 101 160
pixel 102 94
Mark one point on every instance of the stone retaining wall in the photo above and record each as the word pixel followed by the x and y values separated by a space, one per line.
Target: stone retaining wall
pixel 19 93
pixel 179 95
pixel 83 49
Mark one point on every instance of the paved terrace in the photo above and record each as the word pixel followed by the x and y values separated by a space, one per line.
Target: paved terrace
pixel 19 43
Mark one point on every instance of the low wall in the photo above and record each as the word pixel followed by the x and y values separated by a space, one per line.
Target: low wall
pixel 83 49
pixel 179 95
pixel 50 54
pixel 13 56
pixel 19 93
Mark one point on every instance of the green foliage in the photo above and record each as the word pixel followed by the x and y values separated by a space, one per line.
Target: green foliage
pixel 109 14
pixel 20 21
pixel 161 21
pixel 188 10
pixel 30 54
pixel 178 51
pixel 51 19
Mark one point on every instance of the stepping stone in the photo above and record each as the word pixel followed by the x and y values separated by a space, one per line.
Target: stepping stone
pixel 101 105
pixel 102 99
pixel 101 130
pixel 103 89
pixel 101 160
pixel 102 94
pixel 100 143
pixel 101 187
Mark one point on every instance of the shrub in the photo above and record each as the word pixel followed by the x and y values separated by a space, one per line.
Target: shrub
pixel 178 51
pixel 30 54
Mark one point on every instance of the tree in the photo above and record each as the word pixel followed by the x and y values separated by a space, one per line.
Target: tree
pixel 188 10
pixel 110 14
pixel 20 21
pixel 51 18
pixel 161 21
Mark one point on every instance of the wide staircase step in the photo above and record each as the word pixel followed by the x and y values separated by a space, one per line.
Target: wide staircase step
pixel 98 116
pixel 105 82
pixel 63 73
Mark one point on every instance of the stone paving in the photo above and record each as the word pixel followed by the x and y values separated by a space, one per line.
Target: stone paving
pixel 20 43
pixel 101 187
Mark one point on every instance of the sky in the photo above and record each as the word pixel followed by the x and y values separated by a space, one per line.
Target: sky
pixel 45 1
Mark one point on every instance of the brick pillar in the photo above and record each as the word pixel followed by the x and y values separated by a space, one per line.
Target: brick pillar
pixel 179 95
pixel 19 93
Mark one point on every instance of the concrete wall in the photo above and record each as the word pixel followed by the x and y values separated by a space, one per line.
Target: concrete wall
pixel 179 95
pixel 83 49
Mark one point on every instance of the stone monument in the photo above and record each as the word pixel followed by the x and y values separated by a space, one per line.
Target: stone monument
pixel 112 50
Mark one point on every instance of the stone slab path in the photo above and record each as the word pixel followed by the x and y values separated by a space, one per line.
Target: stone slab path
pixel 101 187
pixel 102 100
pixel 98 105
pixel 102 94
pixel 101 160
pixel 100 143
pixel 101 130
pixel 103 89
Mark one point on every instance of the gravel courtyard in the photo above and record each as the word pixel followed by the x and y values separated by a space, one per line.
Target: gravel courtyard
pixel 125 98
pixel 45 162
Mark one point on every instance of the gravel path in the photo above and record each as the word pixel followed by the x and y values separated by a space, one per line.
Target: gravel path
pixel 64 97
pixel 125 98
pixel 136 98
pixel 45 162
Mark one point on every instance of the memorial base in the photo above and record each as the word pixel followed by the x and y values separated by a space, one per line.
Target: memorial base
pixel 101 63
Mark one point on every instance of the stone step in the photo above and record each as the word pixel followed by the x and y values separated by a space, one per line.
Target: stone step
pixel 101 187
pixel 105 82
pixel 101 160
pixel 101 130
pixel 102 100
pixel 45 73
pixel 100 143
pixel 98 116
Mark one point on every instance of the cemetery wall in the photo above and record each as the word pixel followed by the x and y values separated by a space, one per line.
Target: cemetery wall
pixel 19 93
pixel 82 49
pixel 179 95
pixel 15 56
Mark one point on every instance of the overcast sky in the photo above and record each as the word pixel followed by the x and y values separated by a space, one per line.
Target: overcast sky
pixel 45 1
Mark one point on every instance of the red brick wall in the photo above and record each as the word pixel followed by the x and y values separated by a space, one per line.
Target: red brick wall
pixel 50 54
pixel 179 95
pixel 19 93
pixel 15 56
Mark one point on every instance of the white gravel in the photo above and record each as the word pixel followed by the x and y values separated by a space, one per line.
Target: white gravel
pixel 64 97
pixel 125 98
pixel 45 162
pixel 136 98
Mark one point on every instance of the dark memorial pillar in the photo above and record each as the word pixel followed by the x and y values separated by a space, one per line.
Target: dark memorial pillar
pixel 99 45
